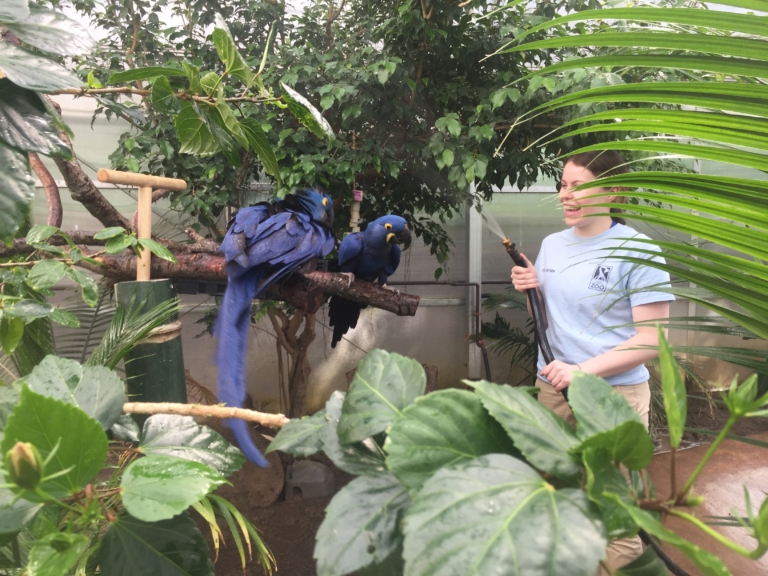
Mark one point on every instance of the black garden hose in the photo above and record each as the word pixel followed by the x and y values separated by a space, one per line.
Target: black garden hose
pixel 546 351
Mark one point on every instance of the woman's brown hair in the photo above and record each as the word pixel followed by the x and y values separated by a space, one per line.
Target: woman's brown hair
pixel 603 163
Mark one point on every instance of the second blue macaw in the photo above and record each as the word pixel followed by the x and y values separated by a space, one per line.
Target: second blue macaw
pixel 263 244
pixel 372 255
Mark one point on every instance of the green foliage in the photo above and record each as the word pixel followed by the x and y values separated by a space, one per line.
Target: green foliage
pixel 363 516
pixel 182 437
pixel 726 71
pixel 96 390
pixel 160 487
pixel 411 113
pixel 440 429
pixel 174 547
pixel 63 411
pixel 476 480
pixel 72 443
pixel 27 123
pixel 385 384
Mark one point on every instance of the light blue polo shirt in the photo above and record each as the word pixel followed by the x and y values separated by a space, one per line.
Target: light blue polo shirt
pixel 588 289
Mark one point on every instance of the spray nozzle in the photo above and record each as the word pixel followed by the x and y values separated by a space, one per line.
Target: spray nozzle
pixel 513 253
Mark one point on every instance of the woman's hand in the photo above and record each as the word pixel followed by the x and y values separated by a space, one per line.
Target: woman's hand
pixel 560 374
pixel 524 278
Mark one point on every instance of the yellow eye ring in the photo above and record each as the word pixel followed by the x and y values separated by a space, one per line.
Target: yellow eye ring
pixel 325 201
pixel 388 226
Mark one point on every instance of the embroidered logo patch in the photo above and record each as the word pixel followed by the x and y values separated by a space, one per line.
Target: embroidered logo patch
pixel 600 277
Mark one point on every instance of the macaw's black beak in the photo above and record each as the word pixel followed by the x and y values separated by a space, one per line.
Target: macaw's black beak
pixel 403 238
pixel 327 218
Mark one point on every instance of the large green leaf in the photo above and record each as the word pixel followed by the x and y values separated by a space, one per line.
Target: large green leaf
pixel 712 19
pixel 182 437
pixel 597 406
pixel 439 429
pixel 194 135
pixel 26 125
pixel 307 114
pixel 34 72
pixel 9 397
pixel 708 563
pixel 360 525
pixel 126 429
pixel 233 63
pixel 16 190
pixel 48 424
pixel 15 513
pixel 647 564
pixel 224 140
pixel 88 284
pixel 52 31
pixel 11 332
pixel 541 435
pixel 164 97
pixel 172 547
pixel 301 436
pixel 384 384
pixel 707 63
pixel 144 74
pixel 160 487
pixel 673 389
pixel 257 140
pixel 96 390
pixel 56 554
pixel 357 458
pixel 29 310
pixel 230 123
pixel 46 273
pixel 603 476
pixel 13 11
pixel 711 44
pixel 494 513
pixel 629 443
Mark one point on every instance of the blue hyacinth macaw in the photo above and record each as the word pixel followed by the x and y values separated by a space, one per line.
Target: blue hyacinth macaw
pixel 372 255
pixel 263 244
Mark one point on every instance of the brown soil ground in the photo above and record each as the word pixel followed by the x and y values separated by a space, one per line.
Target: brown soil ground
pixel 288 527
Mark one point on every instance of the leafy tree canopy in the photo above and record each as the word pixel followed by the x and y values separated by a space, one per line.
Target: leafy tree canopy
pixel 417 111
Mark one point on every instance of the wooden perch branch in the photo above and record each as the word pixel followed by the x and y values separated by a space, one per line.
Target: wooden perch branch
pixel 263 418
pixel 304 292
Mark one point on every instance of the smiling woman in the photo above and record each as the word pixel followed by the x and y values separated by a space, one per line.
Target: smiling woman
pixel 594 285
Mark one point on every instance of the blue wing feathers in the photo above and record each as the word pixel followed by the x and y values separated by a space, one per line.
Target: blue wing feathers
pixel 263 244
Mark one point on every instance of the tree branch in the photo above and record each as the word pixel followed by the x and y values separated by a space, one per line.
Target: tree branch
pixel 263 418
pixel 82 188
pixel 20 245
pixel 304 292
pixel 52 194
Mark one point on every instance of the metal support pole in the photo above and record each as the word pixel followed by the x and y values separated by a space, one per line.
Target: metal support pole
pixel 474 241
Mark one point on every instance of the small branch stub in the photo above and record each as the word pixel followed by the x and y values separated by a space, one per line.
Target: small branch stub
pixel 263 418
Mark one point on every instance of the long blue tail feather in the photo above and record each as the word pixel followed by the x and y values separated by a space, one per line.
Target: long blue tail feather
pixel 232 327
pixel 243 437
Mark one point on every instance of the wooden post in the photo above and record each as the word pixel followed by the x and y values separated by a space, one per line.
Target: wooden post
pixel 144 230
pixel 145 184
pixel 155 368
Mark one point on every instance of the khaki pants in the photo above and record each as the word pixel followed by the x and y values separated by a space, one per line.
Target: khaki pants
pixel 620 552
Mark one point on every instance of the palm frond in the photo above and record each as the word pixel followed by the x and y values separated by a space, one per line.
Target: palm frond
pixel 720 115
pixel 79 343
pixel 128 327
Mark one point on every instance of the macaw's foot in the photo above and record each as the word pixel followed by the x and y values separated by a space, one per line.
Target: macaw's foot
pixel 349 275
pixel 395 290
